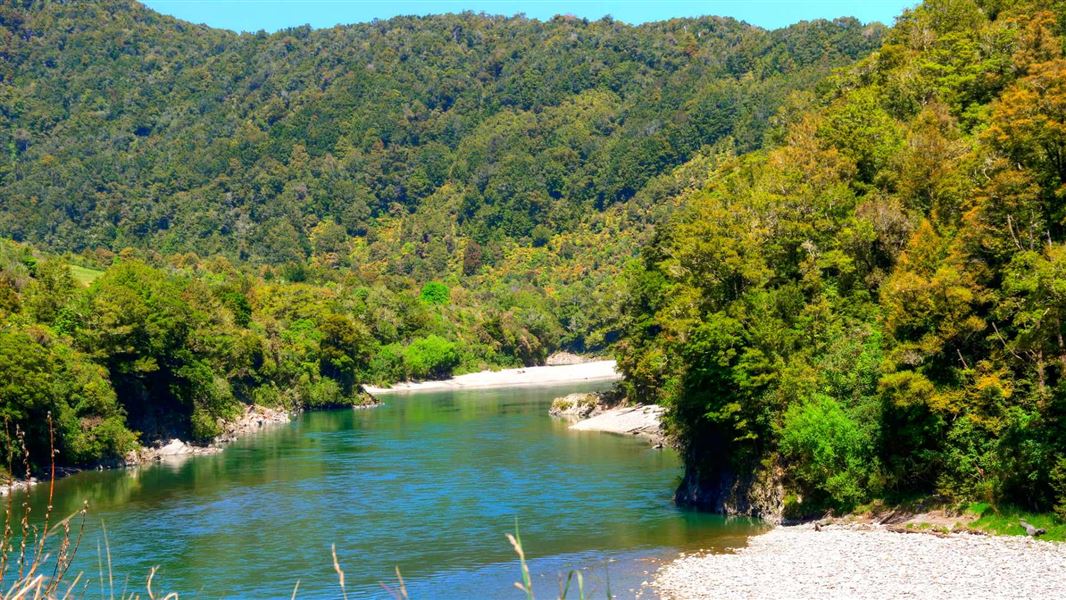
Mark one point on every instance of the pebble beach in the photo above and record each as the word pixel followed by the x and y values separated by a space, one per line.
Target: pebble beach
pixel 860 562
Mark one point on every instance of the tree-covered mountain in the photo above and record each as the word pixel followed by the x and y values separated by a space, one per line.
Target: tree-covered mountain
pixel 873 307
pixel 122 127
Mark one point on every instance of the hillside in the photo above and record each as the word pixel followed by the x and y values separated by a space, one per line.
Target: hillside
pixel 872 307
pixel 122 127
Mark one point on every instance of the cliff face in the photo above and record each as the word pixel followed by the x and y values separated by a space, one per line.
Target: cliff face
pixel 759 493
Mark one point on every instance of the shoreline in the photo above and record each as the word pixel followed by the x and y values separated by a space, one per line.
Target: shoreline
pixel 254 419
pixel 592 372
pixel 869 561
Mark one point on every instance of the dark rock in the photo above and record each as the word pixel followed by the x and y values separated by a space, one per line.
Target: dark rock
pixel 1030 530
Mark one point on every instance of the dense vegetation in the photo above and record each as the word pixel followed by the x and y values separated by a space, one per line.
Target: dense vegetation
pixel 873 306
pixel 122 127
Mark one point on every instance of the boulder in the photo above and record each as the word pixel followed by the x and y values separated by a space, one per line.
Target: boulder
pixel 576 407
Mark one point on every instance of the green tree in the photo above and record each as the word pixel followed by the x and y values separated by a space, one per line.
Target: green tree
pixel 431 356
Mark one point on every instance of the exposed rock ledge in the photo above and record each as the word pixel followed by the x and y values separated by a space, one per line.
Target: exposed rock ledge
pixel 18 484
pixel 567 358
pixel 599 411
pixel 253 419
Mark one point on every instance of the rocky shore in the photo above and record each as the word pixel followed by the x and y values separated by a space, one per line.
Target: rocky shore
pixel 600 411
pixel 252 419
pixel 568 358
pixel 868 561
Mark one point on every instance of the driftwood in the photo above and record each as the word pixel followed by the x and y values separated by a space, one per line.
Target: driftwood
pixel 1030 530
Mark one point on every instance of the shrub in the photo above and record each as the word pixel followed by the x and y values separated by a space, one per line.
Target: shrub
pixel 41 376
pixel 323 393
pixel 386 365
pixel 435 293
pixel 204 426
pixel 1058 481
pixel 829 453
pixel 267 395
pixel 432 356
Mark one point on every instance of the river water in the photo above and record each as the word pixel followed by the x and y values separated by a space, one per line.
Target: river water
pixel 429 483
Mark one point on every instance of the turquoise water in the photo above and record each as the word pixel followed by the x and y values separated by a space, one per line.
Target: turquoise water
pixel 429 483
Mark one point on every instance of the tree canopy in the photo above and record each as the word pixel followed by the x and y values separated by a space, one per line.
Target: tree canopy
pixel 871 306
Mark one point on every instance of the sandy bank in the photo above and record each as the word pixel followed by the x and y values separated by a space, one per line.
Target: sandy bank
pixel 869 562
pixel 601 370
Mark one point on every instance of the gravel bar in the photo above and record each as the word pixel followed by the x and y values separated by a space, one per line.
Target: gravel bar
pixel 868 562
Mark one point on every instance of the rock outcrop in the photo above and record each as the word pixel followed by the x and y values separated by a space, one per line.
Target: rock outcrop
pixel 251 420
pixel 576 407
pixel 173 450
pixel 642 420
pixel 758 493
pixel 566 358
pixel 606 412
pixel 17 484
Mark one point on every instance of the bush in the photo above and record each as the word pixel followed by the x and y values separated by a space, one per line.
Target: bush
pixel 267 395
pixel 829 454
pixel 432 356
pixel 204 425
pixel 323 393
pixel 41 376
pixel 386 365
pixel 435 293
pixel 1058 481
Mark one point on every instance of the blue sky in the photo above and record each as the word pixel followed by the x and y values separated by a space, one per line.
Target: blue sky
pixel 271 15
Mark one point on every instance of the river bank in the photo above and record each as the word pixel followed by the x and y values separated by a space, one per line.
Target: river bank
pixel 869 561
pixel 593 371
pixel 253 418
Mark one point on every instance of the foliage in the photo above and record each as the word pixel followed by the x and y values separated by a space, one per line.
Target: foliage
pixel 522 161
pixel 431 356
pixel 826 450
pixel 873 303
pixel 1058 480
pixel 1005 520
pixel 293 144
pixel 45 381
pixel 154 348
pixel 850 281
pixel 435 293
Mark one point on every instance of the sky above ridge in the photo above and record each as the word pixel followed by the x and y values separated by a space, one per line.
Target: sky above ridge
pixel 271 15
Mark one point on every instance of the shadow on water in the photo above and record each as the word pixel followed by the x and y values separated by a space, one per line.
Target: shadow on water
pixel 428 482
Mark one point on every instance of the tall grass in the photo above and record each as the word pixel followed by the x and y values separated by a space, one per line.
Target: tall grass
pixel 28 568
pixel 573 577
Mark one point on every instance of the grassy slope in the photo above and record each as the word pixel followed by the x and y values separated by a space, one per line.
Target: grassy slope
pixel 84 275
pixel 1004 521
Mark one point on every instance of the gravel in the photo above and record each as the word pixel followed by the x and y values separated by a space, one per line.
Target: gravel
pixel 868 562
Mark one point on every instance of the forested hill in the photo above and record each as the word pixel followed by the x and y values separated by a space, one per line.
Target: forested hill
pixel 875 306
pixel 121 127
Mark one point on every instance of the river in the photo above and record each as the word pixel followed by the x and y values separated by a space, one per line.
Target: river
pixel 429 483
